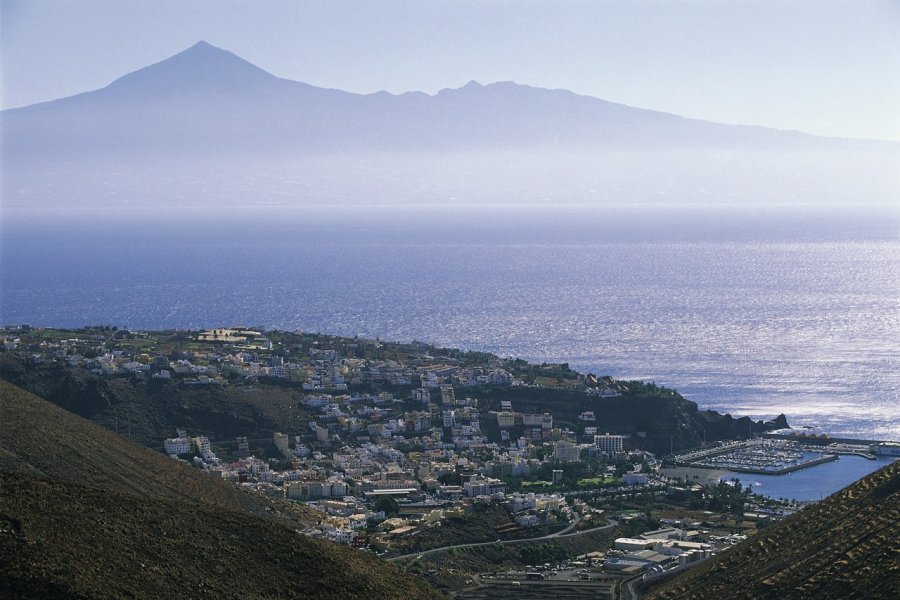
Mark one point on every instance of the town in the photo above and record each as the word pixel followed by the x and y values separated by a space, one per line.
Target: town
pixel 419 454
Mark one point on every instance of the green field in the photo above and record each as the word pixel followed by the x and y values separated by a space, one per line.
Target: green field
pixel 599 481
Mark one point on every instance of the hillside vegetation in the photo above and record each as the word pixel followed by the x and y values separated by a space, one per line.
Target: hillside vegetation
pixel 843 547
pixel 85 513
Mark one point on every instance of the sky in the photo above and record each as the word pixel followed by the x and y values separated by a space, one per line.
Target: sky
pixel 827 67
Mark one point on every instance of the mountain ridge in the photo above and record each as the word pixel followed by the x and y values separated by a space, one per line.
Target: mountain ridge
pixel 203 56
pixel 209 125
pixel 210 68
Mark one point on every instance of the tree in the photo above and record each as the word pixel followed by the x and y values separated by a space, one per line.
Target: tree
pixel 448 478
pixel 388 504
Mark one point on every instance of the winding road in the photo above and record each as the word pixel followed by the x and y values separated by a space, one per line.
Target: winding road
pixel 563 533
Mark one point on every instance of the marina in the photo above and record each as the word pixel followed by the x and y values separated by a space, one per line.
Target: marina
pixel 805 471
pixel 770 456
pixel 761 456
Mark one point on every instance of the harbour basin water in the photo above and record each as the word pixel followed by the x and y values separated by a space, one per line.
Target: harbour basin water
pixel 814 483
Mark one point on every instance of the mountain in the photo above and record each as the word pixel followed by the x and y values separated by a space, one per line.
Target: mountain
pixel 205 96
pixel 202 68
pixel 843 547
pixel 207 125
pixel 85 513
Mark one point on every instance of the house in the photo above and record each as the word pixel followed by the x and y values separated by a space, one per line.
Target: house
pixel 506 419
pixel 179 445
pixel 565 451
pixel 633 478
pixel 527 520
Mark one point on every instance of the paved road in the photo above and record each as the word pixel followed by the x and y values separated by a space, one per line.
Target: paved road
pixel 629 587
pixel 559 534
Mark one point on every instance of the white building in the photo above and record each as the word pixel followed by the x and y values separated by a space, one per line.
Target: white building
pixel 179 445
pixel 609 443
pixel 565 451
pixel 635 478
pixel 202 444
pixel 527 520
pixel 483 487
pixel 449 418
pixel 634 544
pixel 506 419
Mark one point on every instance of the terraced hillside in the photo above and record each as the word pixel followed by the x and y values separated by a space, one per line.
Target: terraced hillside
pixel 85 513
pixel 847 546
pixel 541 590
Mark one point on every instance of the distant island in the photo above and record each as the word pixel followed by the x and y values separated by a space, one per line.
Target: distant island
pixel 206 128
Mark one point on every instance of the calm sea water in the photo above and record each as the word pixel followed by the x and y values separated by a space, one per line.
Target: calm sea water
pixel 814 483
pixel 750 311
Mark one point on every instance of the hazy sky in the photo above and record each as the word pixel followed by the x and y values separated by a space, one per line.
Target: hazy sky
pixel 829 67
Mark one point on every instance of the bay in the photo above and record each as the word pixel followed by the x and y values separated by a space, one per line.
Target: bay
pixel 747 310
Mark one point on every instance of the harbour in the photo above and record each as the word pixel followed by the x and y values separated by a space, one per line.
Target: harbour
pixel 779 455
pixel 803 470
pixel 758 456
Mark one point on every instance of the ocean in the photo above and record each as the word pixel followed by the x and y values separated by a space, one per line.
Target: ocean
pixel 748 310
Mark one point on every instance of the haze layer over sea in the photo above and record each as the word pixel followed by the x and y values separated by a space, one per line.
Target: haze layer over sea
pixel 749 310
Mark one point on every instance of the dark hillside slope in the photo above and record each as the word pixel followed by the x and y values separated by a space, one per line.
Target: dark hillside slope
pixel 41 439
pixel 63 540
pixel 847 546
pixel 150 412
pixel 85 513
